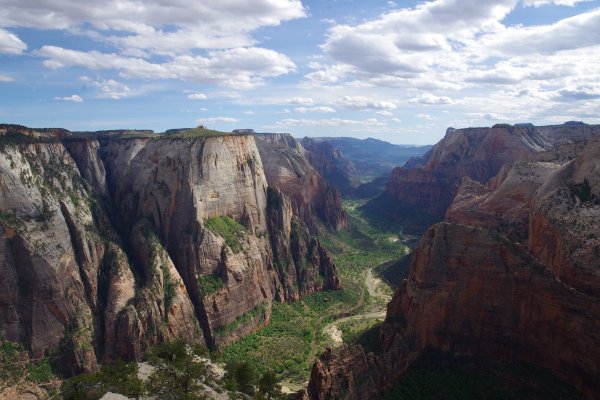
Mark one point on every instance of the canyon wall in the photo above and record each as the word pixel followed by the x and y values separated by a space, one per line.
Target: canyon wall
pixel 513 275
pixel 420 192
pixel 108 246
pixel 287 167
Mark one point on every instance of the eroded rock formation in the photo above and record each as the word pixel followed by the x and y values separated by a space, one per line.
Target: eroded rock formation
pixel 287 168
pixel 109 245
pixel 514 275
pixel 427 187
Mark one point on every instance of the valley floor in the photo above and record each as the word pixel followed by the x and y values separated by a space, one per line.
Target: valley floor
pixel 299 332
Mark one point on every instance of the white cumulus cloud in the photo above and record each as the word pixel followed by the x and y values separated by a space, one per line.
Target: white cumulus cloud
pixel 538 3
pixel 74 98
pixel 242 68
pixel 365 103
pixel 430 99
pixel 160 26
pixel 216 120
pixel 10 43
pixel 197 96
pixel 322 109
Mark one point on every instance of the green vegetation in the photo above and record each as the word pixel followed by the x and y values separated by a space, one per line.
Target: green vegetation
pixel 119 377
pixel 583 191
pixel 362 246
pixel 362 331
pixel 179 372
pixel 229 229
pixel 169 287
pixel 437 376
pixel 210 284
pixel 197 132
pixel 268 385
pixel 295 335
pixel 12 221
pixel 388 213
pixel 17 366
pixel 260 312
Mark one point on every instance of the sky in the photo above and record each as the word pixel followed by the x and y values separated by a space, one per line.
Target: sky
pixel 401 71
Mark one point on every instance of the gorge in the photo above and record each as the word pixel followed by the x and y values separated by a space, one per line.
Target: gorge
pixel 511 274
pixel 112 244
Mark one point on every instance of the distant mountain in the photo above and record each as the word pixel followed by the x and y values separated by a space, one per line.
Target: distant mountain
pixel 418 194
pixel 351 163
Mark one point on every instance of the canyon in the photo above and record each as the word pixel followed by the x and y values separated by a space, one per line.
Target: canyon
pixel 511 274
pixel 113 242
pixel 419 193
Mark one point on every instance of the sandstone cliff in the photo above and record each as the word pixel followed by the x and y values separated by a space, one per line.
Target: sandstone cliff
pixel 513 276
pixel 422 191
pixel 330 163
pixel 358 167
pixel 287 168
pixel 109 245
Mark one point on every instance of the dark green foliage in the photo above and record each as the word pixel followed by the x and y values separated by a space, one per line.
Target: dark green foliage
pixel 388 213
pixel 395 271
pixel 582 191
pixel 11 368
pixel 120 377
pixel 179 374
pixel 438 376
pixel 505 126
pixel 244 375
pixel 195 133
pixel 40 371
pixel 169 288
pixel 366 333
pixel 229 229
pixel 83 387
pixel 16 365
pixel 10 220
pixel 268 386
pixel 16 135
pixel 260 311
pixel 210 284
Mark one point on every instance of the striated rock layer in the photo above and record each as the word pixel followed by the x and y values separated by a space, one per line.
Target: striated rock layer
pixel 515 275
pixel 287 168
pixel 427 187
pixel 108 246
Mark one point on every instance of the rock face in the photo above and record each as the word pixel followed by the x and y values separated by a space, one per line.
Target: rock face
pixel 515 275
pixel 330 163
pixel 287 168
pixel 110 245
pixel 428 186
pixel 358 167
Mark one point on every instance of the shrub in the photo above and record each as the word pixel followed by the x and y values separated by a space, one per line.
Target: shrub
pixel 229 229
pixel 210 284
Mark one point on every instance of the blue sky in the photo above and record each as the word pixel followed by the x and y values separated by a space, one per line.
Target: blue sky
pixel 400 71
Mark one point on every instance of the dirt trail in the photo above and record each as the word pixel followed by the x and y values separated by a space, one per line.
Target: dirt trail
pixel 375 286
pixel 376 289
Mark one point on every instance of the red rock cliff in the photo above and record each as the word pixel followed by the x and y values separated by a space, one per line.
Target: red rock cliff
pixel 514 276
pixel 475 153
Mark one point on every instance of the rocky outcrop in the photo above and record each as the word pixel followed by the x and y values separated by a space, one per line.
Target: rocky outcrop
pixel 514 276
pixel 110 245
pixel 294 248
pixel 330 163
pixel 471 292
pixel 479 154
pixel 359 168
pixel 287 168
